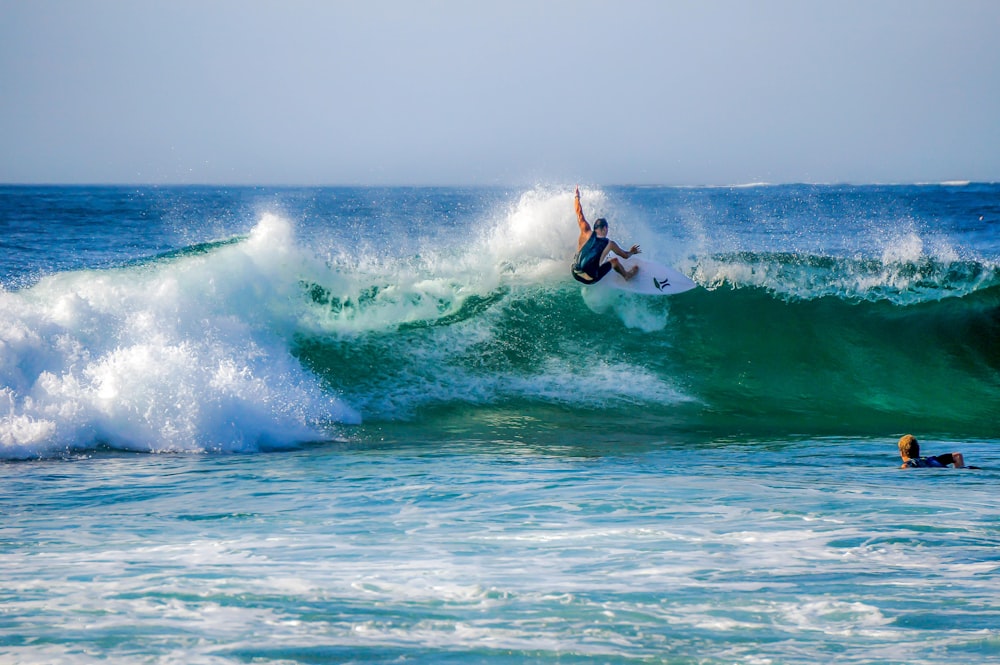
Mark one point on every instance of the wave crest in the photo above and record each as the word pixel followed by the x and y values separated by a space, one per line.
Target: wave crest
pixel 182 354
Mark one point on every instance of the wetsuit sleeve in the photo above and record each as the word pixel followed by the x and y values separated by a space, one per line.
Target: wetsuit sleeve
pixel 946 459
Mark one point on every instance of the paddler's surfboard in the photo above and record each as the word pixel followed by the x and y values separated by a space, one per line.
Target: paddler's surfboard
pixel 654 279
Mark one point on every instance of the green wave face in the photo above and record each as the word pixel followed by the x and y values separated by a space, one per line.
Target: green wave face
pixel 813 353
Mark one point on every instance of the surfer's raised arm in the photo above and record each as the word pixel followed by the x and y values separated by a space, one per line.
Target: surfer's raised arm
pixel 580 219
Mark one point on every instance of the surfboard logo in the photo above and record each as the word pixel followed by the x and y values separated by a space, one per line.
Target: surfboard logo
pixel 661 283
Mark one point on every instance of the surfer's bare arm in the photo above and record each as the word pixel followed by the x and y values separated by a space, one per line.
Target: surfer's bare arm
pixel 580 219
pixel 621 252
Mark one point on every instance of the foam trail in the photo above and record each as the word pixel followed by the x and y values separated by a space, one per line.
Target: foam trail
pixel 188 354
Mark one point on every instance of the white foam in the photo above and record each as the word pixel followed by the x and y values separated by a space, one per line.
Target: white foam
pixel 910 269
pixel 610 382
pixel 181 355
pixel 905 248
pixel 540 228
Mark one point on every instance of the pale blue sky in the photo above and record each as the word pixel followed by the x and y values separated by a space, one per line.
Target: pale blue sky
pixel 508 92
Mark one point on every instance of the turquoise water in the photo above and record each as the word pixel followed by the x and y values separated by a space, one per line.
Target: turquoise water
pixel 503 550
pixel 337 426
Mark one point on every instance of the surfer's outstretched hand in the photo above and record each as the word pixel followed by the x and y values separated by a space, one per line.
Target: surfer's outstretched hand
pixel 635 250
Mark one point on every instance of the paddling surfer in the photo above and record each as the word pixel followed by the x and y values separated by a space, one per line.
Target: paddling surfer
pixel 909 450
pixel 592 248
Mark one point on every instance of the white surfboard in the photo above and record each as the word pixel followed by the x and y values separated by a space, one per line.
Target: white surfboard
pixel 654 279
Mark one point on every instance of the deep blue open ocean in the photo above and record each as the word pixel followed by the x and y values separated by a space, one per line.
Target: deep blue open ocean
pixel 384 425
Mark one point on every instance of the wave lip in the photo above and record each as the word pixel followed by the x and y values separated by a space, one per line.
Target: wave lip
pixel 901 276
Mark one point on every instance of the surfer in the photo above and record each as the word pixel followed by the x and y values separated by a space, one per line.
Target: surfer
pixel 592 249
pixel 909 450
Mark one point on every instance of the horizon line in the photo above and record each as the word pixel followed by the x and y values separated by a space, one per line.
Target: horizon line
pixel 278 185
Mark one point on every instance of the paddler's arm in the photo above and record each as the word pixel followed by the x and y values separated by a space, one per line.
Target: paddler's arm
pixel 955 458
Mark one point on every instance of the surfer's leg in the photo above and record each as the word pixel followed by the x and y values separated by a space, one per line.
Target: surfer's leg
pixel 602 270
pixel 620 269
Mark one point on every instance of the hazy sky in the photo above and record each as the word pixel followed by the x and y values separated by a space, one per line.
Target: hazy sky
pixel 499 92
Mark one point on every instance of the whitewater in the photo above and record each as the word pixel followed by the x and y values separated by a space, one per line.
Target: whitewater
pixel 384 424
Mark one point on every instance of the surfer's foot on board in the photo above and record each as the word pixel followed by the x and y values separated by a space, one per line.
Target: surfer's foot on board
pixel 630 273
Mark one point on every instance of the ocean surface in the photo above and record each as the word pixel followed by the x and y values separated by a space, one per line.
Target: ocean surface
pixel 384 425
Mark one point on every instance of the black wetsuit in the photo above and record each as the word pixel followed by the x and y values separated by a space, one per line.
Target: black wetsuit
pixel 933 462
pixel 588 261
